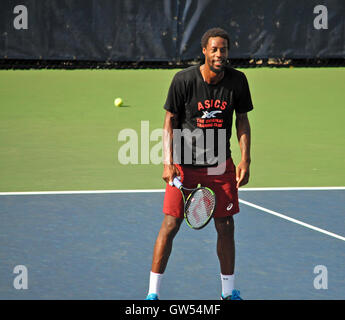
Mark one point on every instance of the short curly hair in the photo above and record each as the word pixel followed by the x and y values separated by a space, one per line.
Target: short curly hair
pixel 212 33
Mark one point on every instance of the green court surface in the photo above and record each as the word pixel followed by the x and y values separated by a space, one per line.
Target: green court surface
pixel 59 129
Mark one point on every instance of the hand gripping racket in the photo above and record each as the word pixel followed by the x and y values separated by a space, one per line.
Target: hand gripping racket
pixel 199 205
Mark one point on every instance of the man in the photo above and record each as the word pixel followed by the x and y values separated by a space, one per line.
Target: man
pixel 204 97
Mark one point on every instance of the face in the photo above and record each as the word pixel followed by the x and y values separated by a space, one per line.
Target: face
pixel 216 53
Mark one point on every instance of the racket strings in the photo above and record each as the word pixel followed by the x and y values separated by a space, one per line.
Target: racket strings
pixel 199 207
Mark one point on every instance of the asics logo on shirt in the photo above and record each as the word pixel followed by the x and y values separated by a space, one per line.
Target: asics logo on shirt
pixel 211 103
pixel 211 114
pixel 209 118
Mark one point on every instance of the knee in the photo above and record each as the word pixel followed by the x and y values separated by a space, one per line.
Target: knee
pixel 171 226
pixel 225 226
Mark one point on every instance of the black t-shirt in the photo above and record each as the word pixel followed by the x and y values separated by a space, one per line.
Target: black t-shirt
pixel 205 114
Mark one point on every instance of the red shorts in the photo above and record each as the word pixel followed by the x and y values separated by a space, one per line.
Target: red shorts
pixel 224 186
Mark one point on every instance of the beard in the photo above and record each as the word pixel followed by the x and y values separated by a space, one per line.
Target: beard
pixel 218 69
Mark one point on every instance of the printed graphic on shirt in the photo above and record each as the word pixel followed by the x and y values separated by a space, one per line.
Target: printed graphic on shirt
pixel 209 123
pixel 211 114
pixel 211 103
pixel 211 119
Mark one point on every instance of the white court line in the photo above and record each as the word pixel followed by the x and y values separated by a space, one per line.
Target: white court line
pixel 292 220
pixel 158 190
pixel 79 192
pixel 292 188
pixel 163 190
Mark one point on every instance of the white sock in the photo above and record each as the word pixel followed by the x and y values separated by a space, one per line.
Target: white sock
pixel 228 284
pixel 155 282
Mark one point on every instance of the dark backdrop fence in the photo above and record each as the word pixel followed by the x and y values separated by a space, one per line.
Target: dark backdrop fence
pixel 132 32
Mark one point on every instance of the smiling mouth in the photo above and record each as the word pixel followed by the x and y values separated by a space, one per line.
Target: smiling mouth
pixel 218 62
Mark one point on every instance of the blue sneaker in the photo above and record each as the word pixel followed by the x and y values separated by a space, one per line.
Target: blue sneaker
pixel 235 295
pixel 152 296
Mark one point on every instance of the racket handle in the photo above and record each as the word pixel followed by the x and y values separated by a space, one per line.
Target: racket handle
pixel 177 183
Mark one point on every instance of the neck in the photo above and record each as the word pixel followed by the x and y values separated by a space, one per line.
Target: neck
pixel 210 76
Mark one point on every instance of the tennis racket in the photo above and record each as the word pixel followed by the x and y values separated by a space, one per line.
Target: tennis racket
pixel 199 205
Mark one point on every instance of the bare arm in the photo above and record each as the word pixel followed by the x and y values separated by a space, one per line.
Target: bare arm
pixel 243 136
pixel 169 170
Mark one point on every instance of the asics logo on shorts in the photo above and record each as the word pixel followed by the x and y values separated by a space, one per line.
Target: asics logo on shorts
pixel 229 207
pixel 211 114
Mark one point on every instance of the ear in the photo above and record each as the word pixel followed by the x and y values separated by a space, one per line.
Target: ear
pixel 204 51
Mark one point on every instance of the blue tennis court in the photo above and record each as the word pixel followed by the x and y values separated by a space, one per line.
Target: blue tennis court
pixel 99 246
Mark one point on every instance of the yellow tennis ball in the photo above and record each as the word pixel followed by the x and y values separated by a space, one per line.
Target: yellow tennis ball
pixel 118 102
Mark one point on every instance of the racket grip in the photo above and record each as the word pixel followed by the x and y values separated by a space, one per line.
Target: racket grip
pixel 177 183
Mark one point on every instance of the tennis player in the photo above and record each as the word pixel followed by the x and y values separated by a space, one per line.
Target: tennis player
pixel 205 97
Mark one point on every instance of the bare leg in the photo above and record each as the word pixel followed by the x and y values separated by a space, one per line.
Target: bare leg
pixel 163 245
pixel 226 244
